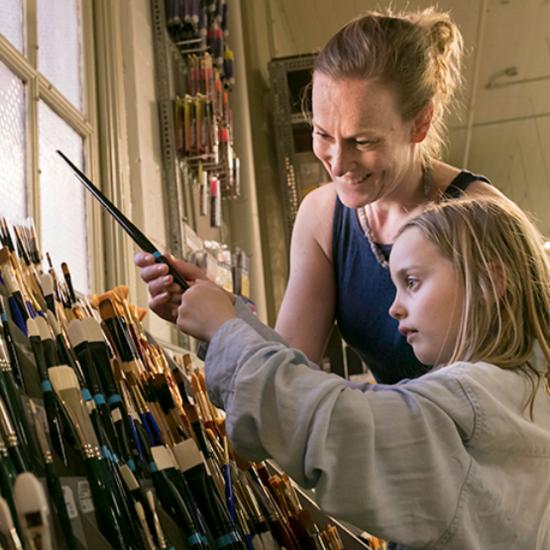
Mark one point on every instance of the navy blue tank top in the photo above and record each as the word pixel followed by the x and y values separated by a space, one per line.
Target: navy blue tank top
pixel 365 293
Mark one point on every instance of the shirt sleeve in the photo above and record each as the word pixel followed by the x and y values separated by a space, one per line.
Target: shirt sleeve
pixel 392 461
pixel 245 313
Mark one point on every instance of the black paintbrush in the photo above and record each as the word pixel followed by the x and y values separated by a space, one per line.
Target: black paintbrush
pixel 139 238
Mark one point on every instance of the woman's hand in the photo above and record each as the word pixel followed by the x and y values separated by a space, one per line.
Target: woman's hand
pixel 165 294
pixel 204 308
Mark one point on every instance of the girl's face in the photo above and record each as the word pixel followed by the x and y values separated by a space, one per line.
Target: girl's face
pixel 429 299
pixel 361 138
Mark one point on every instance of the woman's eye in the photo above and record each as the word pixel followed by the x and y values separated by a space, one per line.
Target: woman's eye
pixel 364 143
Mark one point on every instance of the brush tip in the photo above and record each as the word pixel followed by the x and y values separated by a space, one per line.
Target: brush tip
pixel 4 255
pixel 187 454
pixel 195 383
pixel 6 521
pixel 65 269
pixel 129 478
pixel 29 494
pixel 63 378
pixel 53 323
pixel 42 325
pixel 46 282
pixel 107 309
pixel 92 330
pixel 75 332
pixel 162 457
pixel 32 328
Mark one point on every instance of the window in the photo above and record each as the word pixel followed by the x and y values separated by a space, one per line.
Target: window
pixel 44 106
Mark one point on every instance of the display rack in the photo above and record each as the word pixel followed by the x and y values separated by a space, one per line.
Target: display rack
pixel 290 77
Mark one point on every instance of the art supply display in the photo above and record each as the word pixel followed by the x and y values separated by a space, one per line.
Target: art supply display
pixel 127 415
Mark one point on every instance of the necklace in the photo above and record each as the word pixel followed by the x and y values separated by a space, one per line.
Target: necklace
pixel 376 248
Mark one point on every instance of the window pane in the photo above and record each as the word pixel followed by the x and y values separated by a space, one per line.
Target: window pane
pixel 60 47
pixel 62 198
pixel 13 180
pixel 11 22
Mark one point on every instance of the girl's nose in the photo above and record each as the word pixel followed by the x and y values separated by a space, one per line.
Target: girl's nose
pixel 397 311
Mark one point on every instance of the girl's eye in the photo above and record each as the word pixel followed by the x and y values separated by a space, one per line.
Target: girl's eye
pixel 410 282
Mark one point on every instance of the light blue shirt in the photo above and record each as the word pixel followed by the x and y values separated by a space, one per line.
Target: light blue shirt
pixel 449 461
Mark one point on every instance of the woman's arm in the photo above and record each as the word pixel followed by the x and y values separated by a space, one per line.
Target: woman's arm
pixel 306 316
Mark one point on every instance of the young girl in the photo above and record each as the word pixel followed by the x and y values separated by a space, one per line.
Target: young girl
pixel 458 459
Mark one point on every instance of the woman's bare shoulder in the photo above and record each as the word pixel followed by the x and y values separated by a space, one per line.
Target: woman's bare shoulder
pixel 483 190
pixel 315 217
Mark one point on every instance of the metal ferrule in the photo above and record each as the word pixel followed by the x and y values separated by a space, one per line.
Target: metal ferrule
pixel 5 364
pixel 6 426
pixel 88 451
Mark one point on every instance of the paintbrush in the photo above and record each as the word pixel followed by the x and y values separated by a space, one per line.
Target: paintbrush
pixel 139 238
pixel 10 393
pixel 34 512
pixel 12 351
pixel 52 480
pixel 79 343
pixel 18 309
pixel 107 505
pixel 9 538
pixel 208 498
pixel 50 403
pixel 138 495
pixel 162 541
pixel 166 485
pixel 69 283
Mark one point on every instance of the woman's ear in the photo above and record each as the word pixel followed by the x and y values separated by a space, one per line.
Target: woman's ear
pixel 498 277
pixel 422 123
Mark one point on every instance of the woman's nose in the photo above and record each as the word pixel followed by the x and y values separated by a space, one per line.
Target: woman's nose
pixel 341 161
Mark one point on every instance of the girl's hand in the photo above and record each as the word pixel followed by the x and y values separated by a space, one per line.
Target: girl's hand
pixel 165 294
pixel 204 308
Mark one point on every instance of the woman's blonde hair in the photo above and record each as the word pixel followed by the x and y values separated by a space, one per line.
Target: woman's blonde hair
pixel 418 54
pixel 500 256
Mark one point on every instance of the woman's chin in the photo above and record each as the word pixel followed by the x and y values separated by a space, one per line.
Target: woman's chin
pixel 353 198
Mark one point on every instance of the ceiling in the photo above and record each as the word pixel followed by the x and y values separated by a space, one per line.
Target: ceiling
pixel 509 136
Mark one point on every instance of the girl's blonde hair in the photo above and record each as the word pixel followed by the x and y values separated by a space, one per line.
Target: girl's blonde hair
pixel 418 54
pixel 500 256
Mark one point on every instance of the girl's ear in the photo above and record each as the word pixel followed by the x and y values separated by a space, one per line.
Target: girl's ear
pixel 498 277
pixel 422 123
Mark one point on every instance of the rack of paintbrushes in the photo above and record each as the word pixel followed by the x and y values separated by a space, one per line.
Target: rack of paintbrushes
pixel 127 419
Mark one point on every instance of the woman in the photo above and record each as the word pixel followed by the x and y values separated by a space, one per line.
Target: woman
pixel 380 89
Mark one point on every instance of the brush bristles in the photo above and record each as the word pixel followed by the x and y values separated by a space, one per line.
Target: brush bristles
pixel 107 309
pixel 53 323
pixel 65 269
pixel 65 383
pixel 42 324
pixel 46 282
pixel 6 521
pixel 92 330
pixel 187 454
pixel 29 494
pixel 162 457
pixel 129 478
pixel 32 328
pixel 75 332
pixel 4 255
pixel 63 378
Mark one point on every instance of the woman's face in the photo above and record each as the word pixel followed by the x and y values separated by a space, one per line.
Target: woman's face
pixel 361 139
pixel 429 297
